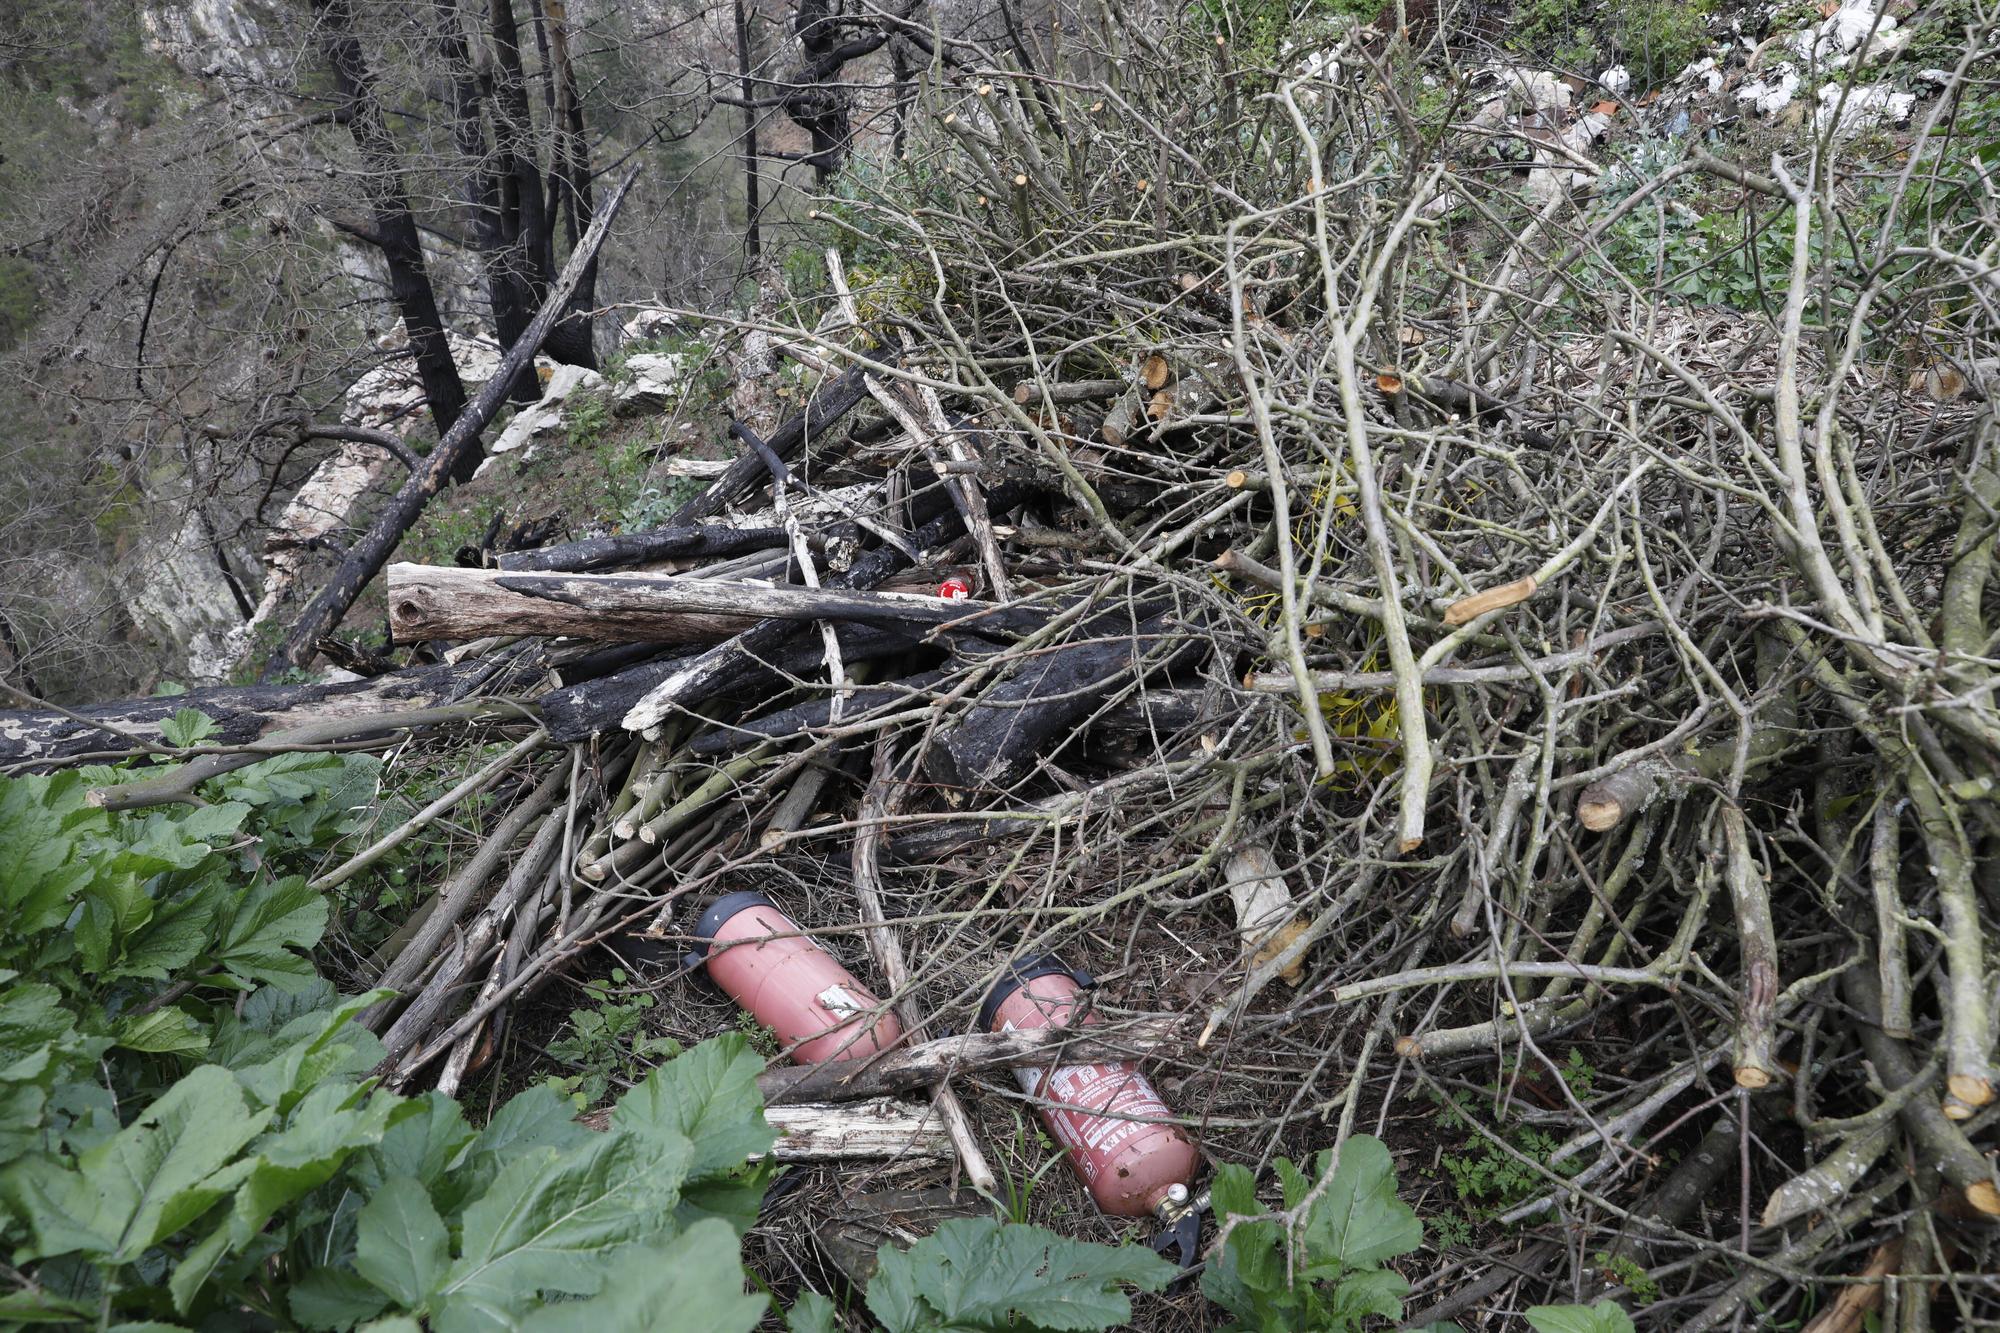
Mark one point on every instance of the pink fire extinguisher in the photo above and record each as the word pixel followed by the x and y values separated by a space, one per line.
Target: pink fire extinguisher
pixel 756 954
pixel 1107 1116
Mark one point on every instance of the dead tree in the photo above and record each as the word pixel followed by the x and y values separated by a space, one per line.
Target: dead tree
pixel 393 229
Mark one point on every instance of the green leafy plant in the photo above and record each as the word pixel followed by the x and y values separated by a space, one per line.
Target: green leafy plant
pixel 191 1132
pixel 1326 1269
pixel 585 417
pixel 606 1041
pixel 1603 1317
pixel 1450 1229
pixel 980 1273
pixel 1627 1273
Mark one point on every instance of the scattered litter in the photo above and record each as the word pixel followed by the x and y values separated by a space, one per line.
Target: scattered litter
pixel 1863 108
pixel 1774 92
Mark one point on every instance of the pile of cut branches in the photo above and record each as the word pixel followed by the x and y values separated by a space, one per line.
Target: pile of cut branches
pixel 1438 681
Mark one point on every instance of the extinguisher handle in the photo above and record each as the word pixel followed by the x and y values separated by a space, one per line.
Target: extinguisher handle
pixel 1180 1239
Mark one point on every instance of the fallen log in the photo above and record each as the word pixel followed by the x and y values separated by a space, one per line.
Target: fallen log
pixel 367 556
pixel 835 399
pixel 441 602
pixel 1161 712
pixel 597 704
pixel 880 1128
pixel 179 781
pixel 241 713
pixel 705 541
pixel 715 670
pixel 815 713
pixel 933 1062
pixel 1015 723
pixel 1030 394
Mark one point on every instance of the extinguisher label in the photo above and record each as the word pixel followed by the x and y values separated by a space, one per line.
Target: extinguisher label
pixel 1121 1096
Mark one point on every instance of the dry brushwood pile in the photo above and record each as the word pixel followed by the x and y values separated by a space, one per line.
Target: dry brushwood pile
pixel 1442 682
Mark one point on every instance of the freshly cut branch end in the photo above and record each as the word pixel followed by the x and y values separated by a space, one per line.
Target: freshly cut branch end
pixel 1467 609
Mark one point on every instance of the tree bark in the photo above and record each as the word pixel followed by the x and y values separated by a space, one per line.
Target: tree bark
pixel 242 713
pixel 638 548
pixel 571 340
pixel 752 244
pixel 1021 720
pixel 444 602
pixel 395 230
pixel 506 294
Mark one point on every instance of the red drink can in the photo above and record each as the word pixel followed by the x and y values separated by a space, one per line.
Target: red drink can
pixel 1108 1118
pixel 789 983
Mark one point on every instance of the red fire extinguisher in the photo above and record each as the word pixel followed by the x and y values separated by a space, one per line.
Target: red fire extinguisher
pixel 790 984
pixel 1102 1113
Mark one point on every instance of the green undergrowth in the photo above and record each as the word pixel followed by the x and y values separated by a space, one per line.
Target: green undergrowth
pixel 193 1138
pixel 192 1134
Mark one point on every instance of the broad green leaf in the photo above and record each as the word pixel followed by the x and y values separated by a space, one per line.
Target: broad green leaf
pixel 187 727
pixel 1251 1265
pixel 812 1313
pixel 42 822
pixel 1371 1291
pixel 401 1245
pixel 334 1121
pixel 1604 1317
pixel 195 1268
pixel 175 935
pixel 1358 1221
pixel 24 1307
pixel 709 1095
pixel 393 1324
pixel 147 1326
pixel 419 1146
pixel 694 1281
pixel 551 1219
pixel 161 842
pixel 114 906
pixel 332 1298
pixel 534 1118
pixel 274 918
pixel 315 1046
pixel 169 1031
pixel 977 1273
pixel 213 823
pixel 154 1177
pixel 39 1048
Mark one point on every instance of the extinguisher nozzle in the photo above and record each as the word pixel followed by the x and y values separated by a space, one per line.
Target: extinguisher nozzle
pixel 1180 1239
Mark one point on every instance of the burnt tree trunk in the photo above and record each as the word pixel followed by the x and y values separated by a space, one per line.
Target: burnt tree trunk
pixel 577 711
pixel 752 246
pixel 638 548
pixel 242 713
pixel 506 295
pixel 569 193
pixel 395 227
pixel 1022 719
